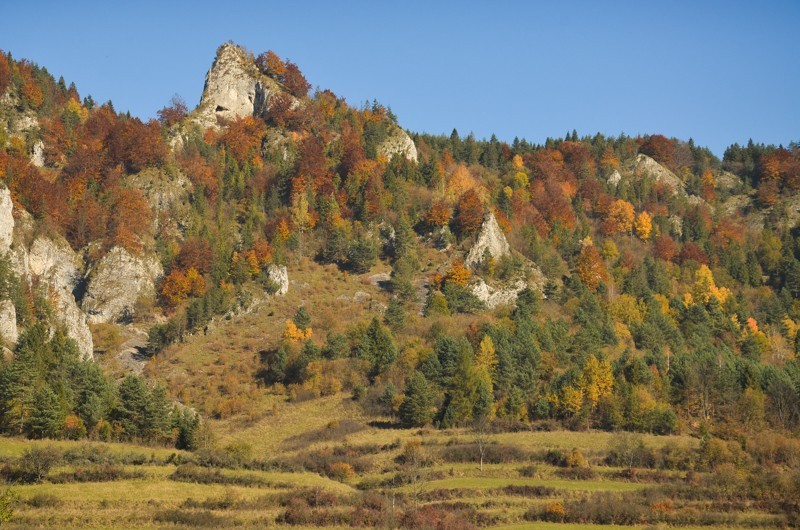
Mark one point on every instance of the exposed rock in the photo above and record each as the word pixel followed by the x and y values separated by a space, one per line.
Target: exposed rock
pixel 491 239
pixel 6 220
pixel 56 269
pixel 644 166
pixel 37 156
pixel 8 322
pixel 116 283
pixel 167 193
pixel 234 88
pixel 494 297
pixel 279 275
pixel 735 204
pixel 614 178
pixel 361 296
pixel 727 181
pixel 398 143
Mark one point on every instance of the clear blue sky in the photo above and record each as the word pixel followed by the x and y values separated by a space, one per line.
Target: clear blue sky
pixel 719 72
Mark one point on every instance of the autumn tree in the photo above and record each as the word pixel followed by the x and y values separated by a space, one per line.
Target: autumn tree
pixel 643 225
pixel 659 148
pixel 620 218
pixel 295 81
pixel 664 247
pixel 5 73
pixel 590 267
pixel 438 215
pixel 174 112
pixel 469 213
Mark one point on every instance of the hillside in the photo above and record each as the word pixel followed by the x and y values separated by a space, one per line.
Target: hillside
pixel 300 295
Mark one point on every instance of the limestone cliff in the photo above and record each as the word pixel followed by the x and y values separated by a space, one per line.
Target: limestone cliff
pixel 117 282
pixel 234 88
pixel 167 192
pixel 47 265
pixel 490 239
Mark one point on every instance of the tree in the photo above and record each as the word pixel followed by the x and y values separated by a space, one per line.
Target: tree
pixel 590 267
pixel 620 218
pixel 417 408
pixel 665 248
pixel 174 112
pixel 377 347
pixel 643 225
pixel 661 149
pixel 301 318
pixel 294 80
pixel 47 418
pixel 469 213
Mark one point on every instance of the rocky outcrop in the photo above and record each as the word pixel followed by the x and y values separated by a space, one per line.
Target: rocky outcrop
pixel 168 196
pixel 279 275
pixel 644 166
pixel 614 178
pixel 37 155
pixel 55 269
pixel 493 296
pixel 490 239
pixel 8 323
pixel 117 282
pixel 505 293
pixel 398 143
pixel 234 88
pixel 6 220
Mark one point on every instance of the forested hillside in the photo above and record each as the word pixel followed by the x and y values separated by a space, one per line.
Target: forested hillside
pixel 646 285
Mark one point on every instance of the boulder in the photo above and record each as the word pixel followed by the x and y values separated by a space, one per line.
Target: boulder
pixel 117 282
pixel 8 323
pixel 279 275
pixel 490 239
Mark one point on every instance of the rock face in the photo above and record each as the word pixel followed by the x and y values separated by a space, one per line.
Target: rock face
pixel 6 220
pixel 279 275
pixel 494 297
pixel 116 283
pixel 167 193
pixel 37 155
pixel 234 88
pixel 491 239
pixel 614 178
pixel 53 267
pixel 398 143
pixel 8 322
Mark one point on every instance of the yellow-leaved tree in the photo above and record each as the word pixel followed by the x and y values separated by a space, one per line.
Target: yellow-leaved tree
pixel 643 225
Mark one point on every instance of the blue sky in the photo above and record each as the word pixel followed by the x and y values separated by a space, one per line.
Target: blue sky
pixel 719 72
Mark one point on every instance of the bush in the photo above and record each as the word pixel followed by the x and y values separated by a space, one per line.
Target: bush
pixel 33 465
pixel 194 519
pixel 101 473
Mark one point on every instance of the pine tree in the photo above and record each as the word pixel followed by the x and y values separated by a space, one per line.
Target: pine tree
pixel 417 408
pixel 47 417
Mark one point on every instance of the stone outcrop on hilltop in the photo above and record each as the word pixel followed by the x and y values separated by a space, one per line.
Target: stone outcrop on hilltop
pixel 644 166
pixel 490 239
pixel 117 282
pixel 398 143
pixel 234 88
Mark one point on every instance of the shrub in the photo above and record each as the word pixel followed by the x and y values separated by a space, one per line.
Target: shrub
pixel 194 519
